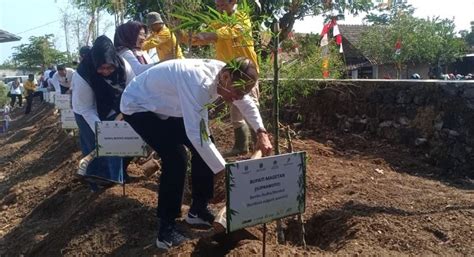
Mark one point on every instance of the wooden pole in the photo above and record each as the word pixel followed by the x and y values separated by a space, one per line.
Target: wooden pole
pixel 264 239
pixel 276 109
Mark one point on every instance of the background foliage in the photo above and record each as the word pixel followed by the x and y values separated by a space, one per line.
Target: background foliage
pixel 433 41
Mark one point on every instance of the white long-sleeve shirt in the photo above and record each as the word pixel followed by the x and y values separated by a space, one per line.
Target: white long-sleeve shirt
pixel 83 97
pixel 182 88
pixel 58 80
pixel 137 67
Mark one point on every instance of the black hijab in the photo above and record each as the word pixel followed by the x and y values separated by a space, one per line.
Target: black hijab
pixel 107 90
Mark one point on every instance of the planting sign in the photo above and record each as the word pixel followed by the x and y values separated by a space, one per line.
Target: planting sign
pixel 117 138
pixel 262 190
pixel 62 101
pixel 68 121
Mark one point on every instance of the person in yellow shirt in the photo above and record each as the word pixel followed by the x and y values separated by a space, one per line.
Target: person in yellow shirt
pixel 162 39
pixel 30 92
pixel 232 41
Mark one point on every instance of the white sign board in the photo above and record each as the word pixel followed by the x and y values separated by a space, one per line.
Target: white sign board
pixel 68 121
pixel 62 101
pixel 262 190
pixel 51 97
pixel 45 93
pixel 117 138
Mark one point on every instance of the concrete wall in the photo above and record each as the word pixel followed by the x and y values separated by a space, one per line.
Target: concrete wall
pixel 436 117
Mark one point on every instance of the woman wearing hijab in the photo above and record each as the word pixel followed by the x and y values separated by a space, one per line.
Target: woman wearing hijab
pixel 128 40
pixel 97 89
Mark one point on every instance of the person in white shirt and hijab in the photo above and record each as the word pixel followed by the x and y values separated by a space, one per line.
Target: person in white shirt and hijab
pixel 97 88
pixel 167 106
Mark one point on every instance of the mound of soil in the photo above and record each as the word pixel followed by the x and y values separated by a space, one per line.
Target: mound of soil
pixel 364 197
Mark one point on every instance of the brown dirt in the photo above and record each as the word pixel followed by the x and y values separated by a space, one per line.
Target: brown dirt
pixel 409 208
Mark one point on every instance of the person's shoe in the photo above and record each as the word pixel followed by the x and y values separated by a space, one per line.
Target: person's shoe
pixel 241 142
pixel 201 217
pixel 171 237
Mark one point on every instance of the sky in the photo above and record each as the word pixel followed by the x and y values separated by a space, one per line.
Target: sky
pixel 28 18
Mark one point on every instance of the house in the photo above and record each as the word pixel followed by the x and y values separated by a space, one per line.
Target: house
pixel 361 66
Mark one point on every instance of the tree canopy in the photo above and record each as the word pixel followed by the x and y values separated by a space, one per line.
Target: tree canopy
pixel 39 53
pixel 433 41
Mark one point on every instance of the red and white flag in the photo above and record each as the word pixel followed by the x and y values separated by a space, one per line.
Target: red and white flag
pixel 398 47
pixel 335 32
pixel 337 35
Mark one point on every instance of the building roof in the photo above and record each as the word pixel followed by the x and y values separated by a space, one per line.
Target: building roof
pixel 6 36
pixel 350 38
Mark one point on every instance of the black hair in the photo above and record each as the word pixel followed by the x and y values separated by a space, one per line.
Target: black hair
pixel 84 51
pixel 61 67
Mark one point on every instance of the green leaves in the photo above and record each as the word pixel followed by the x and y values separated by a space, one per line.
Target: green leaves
pixel 39 52
pixel 204 136
pixel 429 40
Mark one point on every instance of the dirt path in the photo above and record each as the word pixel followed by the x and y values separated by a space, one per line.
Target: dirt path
pixel 363 197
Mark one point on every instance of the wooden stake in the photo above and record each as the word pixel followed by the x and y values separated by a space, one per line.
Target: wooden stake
pixel 264 239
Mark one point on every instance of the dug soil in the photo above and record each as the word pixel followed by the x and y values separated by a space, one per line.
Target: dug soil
pixel 364 196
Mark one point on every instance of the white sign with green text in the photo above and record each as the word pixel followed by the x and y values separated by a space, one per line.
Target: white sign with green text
pixel 62 101
pixel 68 121
pixel 262 190
pixel 51 97
pixel 117 138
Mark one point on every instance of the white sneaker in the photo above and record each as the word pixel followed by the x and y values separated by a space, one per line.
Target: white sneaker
pixel 170 239
pixel 204 218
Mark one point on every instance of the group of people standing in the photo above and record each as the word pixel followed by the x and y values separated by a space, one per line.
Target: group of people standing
pixel 16 90
pixel 166 104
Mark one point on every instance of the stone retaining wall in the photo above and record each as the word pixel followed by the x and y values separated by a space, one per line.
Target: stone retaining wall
pixel 434 116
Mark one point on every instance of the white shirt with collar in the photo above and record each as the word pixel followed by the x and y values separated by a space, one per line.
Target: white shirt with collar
pixel 182 88
pixel 83 97
pixel 58 80
pixel 137 67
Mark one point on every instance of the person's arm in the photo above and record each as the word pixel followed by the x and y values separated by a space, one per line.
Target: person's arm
pixel 151 42
pixel 128 72
pixel 83 101
pixel 204 38
pixel 196 122
pixel 137 67
pixel 55 82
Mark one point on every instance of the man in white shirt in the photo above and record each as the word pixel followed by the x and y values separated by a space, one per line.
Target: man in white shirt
pixel 61 80
pixel 167 106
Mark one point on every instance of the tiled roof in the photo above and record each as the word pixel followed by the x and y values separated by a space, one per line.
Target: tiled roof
pixel 351 35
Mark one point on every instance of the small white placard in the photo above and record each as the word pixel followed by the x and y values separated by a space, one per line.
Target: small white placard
pixel 62 101
pixel 45 94
pixel 68 121
pixel 262 190
pixel 51 97
pixel 117 138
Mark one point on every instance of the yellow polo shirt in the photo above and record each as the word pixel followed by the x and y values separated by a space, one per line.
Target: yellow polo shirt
pixel 235 41
pixel 165 44
pixel 29 86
